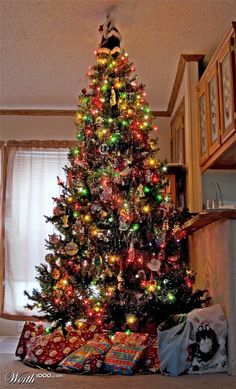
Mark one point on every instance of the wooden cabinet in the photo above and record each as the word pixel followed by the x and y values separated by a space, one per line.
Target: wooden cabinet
pixel 216 106
pixel 178 135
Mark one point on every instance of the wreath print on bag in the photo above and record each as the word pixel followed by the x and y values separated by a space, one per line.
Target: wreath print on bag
pixel 205 347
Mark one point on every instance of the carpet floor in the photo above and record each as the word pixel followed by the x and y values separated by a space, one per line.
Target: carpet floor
pixel 12 369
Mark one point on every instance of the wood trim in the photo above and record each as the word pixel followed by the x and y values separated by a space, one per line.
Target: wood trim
pixel 70 112
pixel 179 77
pixel 219 152
pixel 42 143
pixel 38 112
pixel 20 317
pixel 56 112
pixel 161 114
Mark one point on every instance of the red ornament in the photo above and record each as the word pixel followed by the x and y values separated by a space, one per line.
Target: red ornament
pixel 155 179
pixel 180 234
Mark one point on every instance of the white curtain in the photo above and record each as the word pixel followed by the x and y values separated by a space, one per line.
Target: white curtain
pixel 31 183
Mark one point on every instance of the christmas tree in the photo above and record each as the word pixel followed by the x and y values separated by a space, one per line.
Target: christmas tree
pixel 117 257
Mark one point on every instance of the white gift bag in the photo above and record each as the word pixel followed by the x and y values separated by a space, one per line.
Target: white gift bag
pixel 208 340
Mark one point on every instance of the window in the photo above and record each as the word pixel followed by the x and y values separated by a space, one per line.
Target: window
pixel 31 183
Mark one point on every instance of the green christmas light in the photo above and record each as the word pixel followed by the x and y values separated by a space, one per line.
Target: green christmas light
pixel 124 123
pixel 127 332
pixel 75 214
pixel 47 331
pixel 84 191
pixel 115 138
pixel 171 297
pixel 79 136
pixel 159 197
pixel 146 189
pixel 75 151
pixel 135 227
pixel 104 87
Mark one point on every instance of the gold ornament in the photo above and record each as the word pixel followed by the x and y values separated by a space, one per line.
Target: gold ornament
pixel 71 248
pixel 113 97
pixel 64 221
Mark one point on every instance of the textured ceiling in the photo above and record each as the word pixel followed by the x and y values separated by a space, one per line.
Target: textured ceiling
pixel 48 45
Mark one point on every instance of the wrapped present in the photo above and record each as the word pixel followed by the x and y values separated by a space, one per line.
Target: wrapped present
pixel 208 350
pixel 49 350
pixel 88 358
pixel 123 359
pixel 87 330
pixel 30 330
pixel 151 362
pixel 134 338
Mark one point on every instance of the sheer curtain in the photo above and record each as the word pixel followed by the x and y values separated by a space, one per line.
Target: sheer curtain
pixel 31 183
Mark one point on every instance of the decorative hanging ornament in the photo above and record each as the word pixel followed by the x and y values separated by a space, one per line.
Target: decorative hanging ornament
pixel 49 258
pixel 64 221
pixel 71 248
pixel 120 277
pixel 154 264
pixel 103 148
pixel 113 97
pixel 131 252
pixel 56 274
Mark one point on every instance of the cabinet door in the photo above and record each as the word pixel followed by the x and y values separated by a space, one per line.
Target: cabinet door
pixel 213 109
pixel 178 135
pixel 202 122
pixel 226 76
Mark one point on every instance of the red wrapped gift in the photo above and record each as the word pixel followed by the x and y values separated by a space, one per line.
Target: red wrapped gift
pixel 151 360
pixel 49 350
pixel 87 358
pixel 30 330
pixel 87 330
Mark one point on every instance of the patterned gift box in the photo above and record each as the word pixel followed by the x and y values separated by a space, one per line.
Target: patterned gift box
pixel 29 331
pixel 135 338
pixel 123 359
pixel 87 358
pixel 49 350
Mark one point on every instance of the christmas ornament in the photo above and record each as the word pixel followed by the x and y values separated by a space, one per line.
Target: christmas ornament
pixel 65 221
pixel 154 264
pixel 49 258
pixel 113 97
pixel 71 249
pixel 56 274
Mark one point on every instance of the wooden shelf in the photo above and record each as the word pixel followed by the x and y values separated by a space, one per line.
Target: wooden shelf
pixel 207 217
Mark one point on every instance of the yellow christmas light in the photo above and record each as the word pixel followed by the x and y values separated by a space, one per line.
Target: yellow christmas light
pixel 152 162
pixel 146 209
pixel 151 287
pixel 131 319
pixel 113 258
pixel 87 218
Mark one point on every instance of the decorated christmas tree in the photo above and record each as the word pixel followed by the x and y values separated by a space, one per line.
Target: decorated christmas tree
pixel 117 257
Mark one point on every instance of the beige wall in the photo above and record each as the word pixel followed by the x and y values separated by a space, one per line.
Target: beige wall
pixel 213 258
